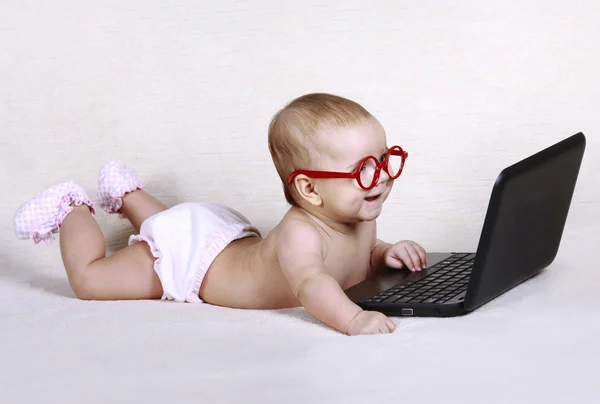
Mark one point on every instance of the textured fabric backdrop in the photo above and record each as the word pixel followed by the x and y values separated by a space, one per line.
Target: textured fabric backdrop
pixel 183 91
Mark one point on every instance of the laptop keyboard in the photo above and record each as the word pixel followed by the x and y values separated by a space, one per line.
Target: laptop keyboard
pixel 449 279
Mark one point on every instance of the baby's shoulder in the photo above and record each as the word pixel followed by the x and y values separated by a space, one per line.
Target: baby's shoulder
pixel 297 232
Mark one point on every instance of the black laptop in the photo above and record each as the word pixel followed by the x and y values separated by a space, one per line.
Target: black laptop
pixel 520 237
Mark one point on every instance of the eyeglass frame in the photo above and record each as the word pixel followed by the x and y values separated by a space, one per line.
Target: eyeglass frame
pixel 379 165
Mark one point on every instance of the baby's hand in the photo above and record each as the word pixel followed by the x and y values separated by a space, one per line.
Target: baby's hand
pixel 406 253
pixel 370 322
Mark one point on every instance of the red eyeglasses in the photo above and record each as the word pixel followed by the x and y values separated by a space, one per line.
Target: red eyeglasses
pixel 368 171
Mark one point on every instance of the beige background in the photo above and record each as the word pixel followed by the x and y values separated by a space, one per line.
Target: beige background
pixel 184 90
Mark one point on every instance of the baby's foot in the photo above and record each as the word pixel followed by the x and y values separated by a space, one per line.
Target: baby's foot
pixel 115 180
pixel 43 215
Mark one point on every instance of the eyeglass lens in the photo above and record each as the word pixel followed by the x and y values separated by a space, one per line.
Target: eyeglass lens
pixel 369 167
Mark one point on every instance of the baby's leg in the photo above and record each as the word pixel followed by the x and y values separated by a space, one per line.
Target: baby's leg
pixel 127 274
pixel 65 208
pixel 120 191
pixel 139 206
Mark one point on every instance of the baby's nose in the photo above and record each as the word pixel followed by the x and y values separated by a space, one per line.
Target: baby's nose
pixel 383 177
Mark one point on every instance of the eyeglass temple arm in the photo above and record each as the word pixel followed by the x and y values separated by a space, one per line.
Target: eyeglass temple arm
pixel 320 174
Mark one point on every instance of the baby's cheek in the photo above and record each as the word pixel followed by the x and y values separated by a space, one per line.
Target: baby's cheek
pixel 388 190
pixel 351 196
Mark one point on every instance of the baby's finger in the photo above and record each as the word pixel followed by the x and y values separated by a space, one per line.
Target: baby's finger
pixel 390 325
pixel 414 257
pixel 383 329
pixel 420 257
pixel 373 325
pixel 405 257
pixel 423 255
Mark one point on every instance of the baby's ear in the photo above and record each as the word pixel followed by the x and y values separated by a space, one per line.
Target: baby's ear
pixel 306 190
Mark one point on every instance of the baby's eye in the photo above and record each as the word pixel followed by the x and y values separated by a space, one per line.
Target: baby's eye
pixel 363 168
pixel 382 158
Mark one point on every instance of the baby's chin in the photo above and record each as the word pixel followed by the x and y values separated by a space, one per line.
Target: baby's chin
pixel 372 208
pixel 370 215
pixel 353 218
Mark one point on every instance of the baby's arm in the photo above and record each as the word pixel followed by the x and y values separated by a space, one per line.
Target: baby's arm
pixel 378 249
pixel 377 256
pixel 300 254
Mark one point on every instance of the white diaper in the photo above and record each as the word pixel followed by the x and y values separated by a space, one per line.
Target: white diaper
pixel 186 239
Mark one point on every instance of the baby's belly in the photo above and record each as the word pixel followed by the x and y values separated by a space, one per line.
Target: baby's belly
pixel 239 278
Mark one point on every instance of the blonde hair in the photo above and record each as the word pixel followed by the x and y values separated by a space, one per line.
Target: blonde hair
pixel 293 131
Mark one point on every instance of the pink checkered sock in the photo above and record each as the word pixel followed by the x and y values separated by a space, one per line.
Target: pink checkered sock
pixel 43 215
pixel 115 180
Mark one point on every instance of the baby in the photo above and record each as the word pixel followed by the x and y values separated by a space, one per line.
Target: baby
pixel 337 171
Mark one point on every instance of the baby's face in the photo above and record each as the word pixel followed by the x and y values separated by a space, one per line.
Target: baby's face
pixel 343 199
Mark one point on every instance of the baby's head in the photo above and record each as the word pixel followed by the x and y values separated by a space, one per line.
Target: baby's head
pixel 323 132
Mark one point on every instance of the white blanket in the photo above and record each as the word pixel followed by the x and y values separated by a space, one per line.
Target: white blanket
pixel 536 343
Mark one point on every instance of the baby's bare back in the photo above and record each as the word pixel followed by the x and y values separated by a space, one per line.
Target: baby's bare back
pixel 247 273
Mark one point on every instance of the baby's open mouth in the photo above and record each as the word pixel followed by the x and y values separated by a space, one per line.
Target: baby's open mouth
pixel 372 198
